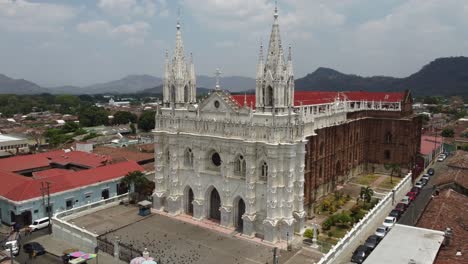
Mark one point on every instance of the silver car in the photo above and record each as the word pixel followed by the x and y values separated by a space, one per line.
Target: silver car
pixel 381 231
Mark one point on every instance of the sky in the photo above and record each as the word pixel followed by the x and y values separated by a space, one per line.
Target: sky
pixel 71 42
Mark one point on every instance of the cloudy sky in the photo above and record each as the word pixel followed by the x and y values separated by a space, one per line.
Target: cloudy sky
pixel 70 42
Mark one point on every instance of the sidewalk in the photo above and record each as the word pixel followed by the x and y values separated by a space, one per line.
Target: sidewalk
pixel 56 247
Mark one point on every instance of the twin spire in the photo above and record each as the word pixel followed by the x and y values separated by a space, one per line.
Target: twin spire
pixel 274 82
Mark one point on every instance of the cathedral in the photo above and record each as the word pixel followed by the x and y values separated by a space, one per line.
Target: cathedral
pixel 257 163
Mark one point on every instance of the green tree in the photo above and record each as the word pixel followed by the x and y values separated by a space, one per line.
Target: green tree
pixel 137 184
pixel 133 128
pixel 93 116
pixel 124 117
pixel 394 168
pixel 70 127
pixel 68 103
pixel 448 132
pixel 146 121
pixel 366 193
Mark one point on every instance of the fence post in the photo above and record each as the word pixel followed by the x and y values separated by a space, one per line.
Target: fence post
pixel 116 247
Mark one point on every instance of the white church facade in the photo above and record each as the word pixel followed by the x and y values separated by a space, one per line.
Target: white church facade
pixel 240 160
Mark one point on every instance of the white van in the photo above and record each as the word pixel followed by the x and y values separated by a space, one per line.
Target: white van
pixel 39 224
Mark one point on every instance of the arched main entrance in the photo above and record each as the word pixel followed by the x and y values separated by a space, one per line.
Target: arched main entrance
pixel 239 222
pixel 189 198
pixel 215 204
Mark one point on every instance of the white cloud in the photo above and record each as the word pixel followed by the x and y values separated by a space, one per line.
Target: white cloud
pixel 131 34
pixel 134 8
pixel 94 27
pixel 25 16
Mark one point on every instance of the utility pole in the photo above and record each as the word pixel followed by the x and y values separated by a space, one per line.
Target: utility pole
pixel 45 189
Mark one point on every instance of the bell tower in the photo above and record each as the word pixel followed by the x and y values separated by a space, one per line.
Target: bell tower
pixel 275 78
pixel 179 84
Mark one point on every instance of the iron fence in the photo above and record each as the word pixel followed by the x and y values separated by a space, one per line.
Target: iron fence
pixel 105 245
pixel 127 252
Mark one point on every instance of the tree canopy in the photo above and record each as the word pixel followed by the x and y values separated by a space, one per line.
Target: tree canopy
pixel 93 116
pixel 146 121
pixel 124 117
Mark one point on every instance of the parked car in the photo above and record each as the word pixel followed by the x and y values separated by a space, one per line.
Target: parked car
pixel 419 184
pixel 401 207
pixel 372 241
pixel 360 254
pixel 424 181
pixel 395 213
pixel 406 200
pixel 39 224
pixel 425 177
pixel 415 190
pixel 381 231
pixel 13 246
pixel 411 195
pixel 441 157
pixel 34 247
pixel 389 221
pixel 430 171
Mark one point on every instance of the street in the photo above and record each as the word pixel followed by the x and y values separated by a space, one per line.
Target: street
pixel 43 259
pixel 416 208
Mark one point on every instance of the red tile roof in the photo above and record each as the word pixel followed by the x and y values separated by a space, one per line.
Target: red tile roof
pixel 18 188
pixel 49 173
pixel 122 154
pixel 428 144
pixel 448 210
pixel 41 160
pixel 317 97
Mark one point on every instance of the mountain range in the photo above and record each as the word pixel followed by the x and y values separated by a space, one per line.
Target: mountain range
pixel 443 76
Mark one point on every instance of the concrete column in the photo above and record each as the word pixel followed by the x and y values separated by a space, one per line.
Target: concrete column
pixel 270 228
pixel 159 201
pixel 174 203
pixel 199 212
pixel 226 216
pixel 249 225
pixel 299 218
pixel 287 230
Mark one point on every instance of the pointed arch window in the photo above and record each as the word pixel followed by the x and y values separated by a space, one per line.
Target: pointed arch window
pixel 321 148
pixel 188 158
pixel 173 94
pixel 387 155
pixel 186 94
pixel 167 159
pixel 264 171
pixel 240 166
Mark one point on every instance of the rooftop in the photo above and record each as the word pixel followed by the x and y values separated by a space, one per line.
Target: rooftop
pixel 316 97
pixel 449 209
pixel 459 160
pixel 16 187
pixel 422 245
pixel 429 143
pixel 5 138
pixel 60 157
pixel 123 154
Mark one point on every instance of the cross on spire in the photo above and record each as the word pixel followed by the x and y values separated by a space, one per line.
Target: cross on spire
pixel 178 18
pixel 217 73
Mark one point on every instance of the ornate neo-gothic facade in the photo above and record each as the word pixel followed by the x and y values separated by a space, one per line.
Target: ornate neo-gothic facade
pixel 258 162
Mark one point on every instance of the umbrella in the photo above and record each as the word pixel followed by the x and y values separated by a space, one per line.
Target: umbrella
pixel 88 256
pixel 70 250
pixel 137 260
pixel 77 254
pixel 149 262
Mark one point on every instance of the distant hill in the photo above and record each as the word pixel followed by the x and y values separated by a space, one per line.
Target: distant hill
pixel 443 76
pixel 158 90
pixel 231 83
pixel 19 86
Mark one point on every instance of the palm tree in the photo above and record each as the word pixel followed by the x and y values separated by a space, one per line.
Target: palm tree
pixel 393 168
pixel 136 183
pixel 366 193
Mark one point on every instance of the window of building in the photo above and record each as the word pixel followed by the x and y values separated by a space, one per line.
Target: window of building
pixel 36 211
pixel 69 204
pixel 188 157
pixel 49 208
pixel 388 137
pixel 387 155
pixel 240 166
pixel 168 157
pixel 321 148
pixel 264 171
pixel 216 159
pixel 88 195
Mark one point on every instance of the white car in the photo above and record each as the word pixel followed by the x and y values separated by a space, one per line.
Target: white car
pixel 426 177
pixel 405 200
pixel 441 157
pixel 389 221
pixel 381 231
pixel 13 245
pixel 419 184
pixel 39 224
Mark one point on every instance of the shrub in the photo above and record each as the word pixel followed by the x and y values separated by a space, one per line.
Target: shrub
pixel 330 234
pixel 343 219
pixel 309 233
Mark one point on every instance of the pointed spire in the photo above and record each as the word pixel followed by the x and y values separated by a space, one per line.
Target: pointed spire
pixel 260 65
pixel 274 47
pixel 276 10
pixel 289 53
pixel 178 19
pixel 217 73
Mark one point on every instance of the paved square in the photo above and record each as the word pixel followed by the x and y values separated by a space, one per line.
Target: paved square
pixel 174 241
